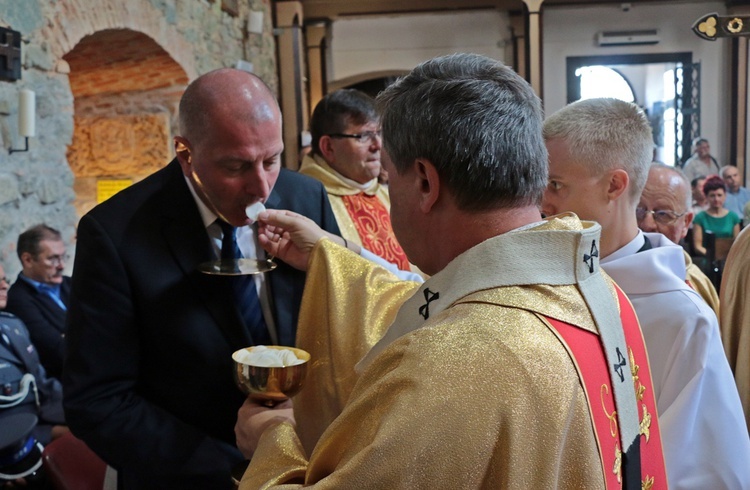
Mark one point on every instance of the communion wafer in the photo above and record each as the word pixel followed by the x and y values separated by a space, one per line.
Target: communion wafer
pixel 253 210
pixel 262 356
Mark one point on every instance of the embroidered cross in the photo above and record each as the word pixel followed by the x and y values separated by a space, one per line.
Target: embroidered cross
pixel 620 364
pixel 429 296
pixel 589 257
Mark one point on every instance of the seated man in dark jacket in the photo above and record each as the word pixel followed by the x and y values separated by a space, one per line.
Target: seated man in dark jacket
pixel 40 295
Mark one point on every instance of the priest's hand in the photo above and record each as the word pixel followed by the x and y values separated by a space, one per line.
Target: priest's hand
pixel 291 237
pixel 253 419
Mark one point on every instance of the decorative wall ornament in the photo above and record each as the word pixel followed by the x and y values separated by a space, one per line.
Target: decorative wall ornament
pixel 713 26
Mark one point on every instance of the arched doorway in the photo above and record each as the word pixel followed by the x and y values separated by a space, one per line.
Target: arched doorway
pixel 126 91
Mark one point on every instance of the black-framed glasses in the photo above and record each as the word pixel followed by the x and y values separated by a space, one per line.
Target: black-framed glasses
pixel 661 216
pixel 365 137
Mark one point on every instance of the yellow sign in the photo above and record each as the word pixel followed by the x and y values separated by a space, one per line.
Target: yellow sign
pixel 108 188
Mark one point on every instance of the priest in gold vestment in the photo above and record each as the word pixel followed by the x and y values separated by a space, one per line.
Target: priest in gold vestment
pixel 511 367
pixel 345 158
pixel 735 315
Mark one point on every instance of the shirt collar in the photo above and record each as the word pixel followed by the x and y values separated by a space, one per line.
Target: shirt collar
pixel 40 286
pixel 631 248
pixel 207 216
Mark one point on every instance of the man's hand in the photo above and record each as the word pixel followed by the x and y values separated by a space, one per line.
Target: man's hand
pixel 291 236
pixel 59 430
pixel 253 419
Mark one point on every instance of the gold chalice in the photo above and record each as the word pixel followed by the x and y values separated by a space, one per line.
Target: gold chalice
pixel 270 385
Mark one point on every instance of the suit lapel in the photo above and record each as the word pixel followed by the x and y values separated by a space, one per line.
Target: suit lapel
pixel 182 225
pixel 51 310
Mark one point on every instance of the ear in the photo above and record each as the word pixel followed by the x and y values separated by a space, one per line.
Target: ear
pixel 688 221
pixel 427 183
pixel 184 154
pixel 325 146
pixel 618 184
pixel 26 259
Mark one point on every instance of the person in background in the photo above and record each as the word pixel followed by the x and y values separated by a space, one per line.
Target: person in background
pixel 600 177
pixel 467 162
pixel 700 163
pixel 665 208
pixel 737 195
pixel 148 383
pixel 717 219
pixel 700 203
pixel 345 157
pixel 26 388
pixel 41 294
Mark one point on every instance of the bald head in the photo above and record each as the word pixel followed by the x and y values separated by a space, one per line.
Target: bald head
pixel 225 93
pixel 667 190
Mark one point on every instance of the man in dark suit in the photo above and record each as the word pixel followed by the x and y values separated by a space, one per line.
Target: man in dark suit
pixel 40 295
pixel 148 378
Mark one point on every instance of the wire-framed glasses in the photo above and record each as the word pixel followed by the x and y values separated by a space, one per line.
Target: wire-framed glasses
pixel 661 216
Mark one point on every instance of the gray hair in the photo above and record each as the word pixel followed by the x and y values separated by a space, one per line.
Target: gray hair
pixel 477 122
pixel 606 134
pixel 686 183
pixel 724 169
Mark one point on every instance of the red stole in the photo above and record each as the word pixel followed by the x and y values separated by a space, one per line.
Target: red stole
pixel 373 224
pixel 591 363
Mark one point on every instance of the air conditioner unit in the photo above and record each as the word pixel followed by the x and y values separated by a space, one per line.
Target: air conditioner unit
pixel 627 38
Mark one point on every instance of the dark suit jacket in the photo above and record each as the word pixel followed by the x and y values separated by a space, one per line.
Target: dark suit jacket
pixel 148 377
pixel 44 319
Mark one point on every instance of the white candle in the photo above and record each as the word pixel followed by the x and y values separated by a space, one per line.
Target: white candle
pixel 27 113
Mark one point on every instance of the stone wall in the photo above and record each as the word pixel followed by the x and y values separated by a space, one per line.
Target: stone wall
pixel 39 185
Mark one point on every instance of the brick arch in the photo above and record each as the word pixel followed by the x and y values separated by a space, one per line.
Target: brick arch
pixel 75 19
pixel 120 60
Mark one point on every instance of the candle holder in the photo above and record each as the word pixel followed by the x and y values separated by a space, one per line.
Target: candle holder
pixel 18 150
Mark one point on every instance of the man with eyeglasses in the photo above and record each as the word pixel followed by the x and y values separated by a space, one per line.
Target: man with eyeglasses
pixel 40 295
pixel 599 157
pixel 345 157
pixel 666 207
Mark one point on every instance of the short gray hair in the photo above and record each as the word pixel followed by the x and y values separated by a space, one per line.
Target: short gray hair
pixel 606 134
pixel 477 122
pixel 725 168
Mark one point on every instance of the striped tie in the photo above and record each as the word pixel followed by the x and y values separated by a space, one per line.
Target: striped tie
pixel 245 293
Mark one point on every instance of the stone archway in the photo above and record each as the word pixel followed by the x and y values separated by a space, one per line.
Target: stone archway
pixel 126 91
pixel 72 20
pixel 128 65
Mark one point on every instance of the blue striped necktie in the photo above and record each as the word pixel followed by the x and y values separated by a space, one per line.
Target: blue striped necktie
pixel 245 292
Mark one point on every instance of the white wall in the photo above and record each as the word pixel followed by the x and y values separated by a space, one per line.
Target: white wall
pixel 372 44
pixel 570 31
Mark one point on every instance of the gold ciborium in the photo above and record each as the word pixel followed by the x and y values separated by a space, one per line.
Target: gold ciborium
pixel 270 385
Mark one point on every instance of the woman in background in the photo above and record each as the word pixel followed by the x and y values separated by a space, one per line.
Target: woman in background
pixel 717 219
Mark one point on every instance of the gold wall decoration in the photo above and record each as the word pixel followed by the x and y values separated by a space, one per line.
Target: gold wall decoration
pixel 713 26
pixel 119 146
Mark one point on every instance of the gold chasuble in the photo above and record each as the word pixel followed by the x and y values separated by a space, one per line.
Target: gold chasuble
pixel 735 315
pixel 508 369
pixel 363 215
